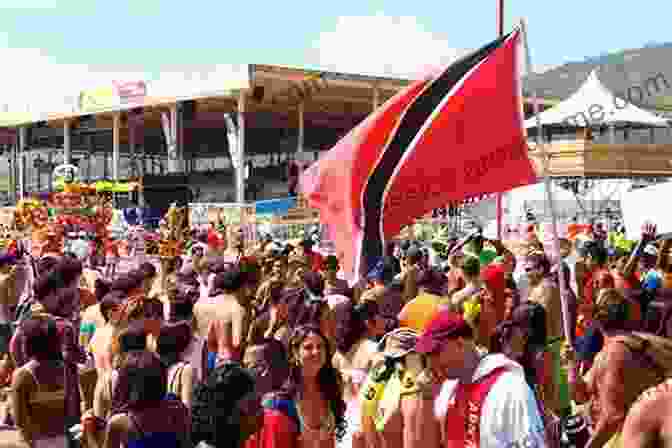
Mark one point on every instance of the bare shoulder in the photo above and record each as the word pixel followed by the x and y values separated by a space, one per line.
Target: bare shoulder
pixel 651 410
pixel 22 378
pixel 661 392
pixel 119 424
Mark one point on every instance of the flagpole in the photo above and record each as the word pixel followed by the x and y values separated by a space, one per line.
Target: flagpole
pixel 500 196
pixel 567 324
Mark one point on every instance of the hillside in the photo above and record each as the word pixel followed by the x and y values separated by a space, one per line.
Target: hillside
pixel 619 71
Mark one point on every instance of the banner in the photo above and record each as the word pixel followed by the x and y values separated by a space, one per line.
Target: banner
pixel 273 207
pixel 95 100
pixel 228 214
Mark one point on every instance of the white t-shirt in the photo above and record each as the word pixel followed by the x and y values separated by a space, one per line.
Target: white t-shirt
pixel 510 414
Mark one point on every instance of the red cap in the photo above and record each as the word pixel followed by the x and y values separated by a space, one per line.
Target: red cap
pixel 494 277
pixel 445 325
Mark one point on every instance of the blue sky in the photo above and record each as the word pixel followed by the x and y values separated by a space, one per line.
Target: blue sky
pixel 53 40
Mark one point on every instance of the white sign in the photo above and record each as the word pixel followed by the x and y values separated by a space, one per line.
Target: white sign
pixel 66 173
pixel 199 214
pixel 639 206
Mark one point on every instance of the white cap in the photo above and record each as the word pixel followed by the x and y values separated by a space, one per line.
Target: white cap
pixel 651 250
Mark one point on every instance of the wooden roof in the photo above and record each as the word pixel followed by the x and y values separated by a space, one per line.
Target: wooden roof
pixel 329 98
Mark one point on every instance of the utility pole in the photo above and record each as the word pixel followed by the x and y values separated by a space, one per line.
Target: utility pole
pixel 500 195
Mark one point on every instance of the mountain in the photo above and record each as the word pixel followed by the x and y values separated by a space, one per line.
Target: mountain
pixel 626 73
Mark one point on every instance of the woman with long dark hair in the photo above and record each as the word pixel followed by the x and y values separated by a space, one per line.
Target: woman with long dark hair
pixel 144 416
pixel 309 410
pixel 38 390
pixel 358 330
pixel 172 342
pixel 309 306
pixel 131 339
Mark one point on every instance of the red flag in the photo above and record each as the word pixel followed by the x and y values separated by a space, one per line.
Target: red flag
pixel 448 137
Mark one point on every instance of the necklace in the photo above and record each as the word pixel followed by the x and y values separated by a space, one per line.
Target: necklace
pixel 327 423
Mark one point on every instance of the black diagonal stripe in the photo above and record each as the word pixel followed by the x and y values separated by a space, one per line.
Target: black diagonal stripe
pixel 411 123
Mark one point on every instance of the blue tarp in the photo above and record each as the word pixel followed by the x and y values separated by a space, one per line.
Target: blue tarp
pixel 274 206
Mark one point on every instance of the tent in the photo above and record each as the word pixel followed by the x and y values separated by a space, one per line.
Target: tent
pixel 533 198
pixel 593 104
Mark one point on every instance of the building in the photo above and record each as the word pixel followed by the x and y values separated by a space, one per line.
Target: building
pixel 177 142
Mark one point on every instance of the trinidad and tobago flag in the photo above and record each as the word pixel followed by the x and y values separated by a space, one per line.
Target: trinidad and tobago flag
pixel 454 135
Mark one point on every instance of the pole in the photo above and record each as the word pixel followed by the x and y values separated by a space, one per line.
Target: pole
pixel 551 205
pixel 116 140
pixel 240 168
pixel 500 196
pixel 67 148
pixel 23 144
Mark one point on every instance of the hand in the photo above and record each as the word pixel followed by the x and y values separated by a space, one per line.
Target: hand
pixel 89 423
pixel 649 231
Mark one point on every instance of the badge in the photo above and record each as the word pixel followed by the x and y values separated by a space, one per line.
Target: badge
pixel 370 393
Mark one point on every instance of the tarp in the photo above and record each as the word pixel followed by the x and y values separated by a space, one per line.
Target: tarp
pixel 274 206
pixel 593 104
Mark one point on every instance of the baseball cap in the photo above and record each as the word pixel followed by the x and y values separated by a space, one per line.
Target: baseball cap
pixel 398 343
pixel 651 250
pixel 445 325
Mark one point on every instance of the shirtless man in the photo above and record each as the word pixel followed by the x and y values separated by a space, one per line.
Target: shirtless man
pixel 409 274
pixel 224 321
pixel 276 275
pixel 546 293
pixel 649 419
pixel 471 270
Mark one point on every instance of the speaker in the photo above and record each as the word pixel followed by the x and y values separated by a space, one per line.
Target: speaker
pixel 258 93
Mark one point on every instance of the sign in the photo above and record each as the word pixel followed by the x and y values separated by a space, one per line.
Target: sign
pixel 133 92
pixel 110 97
pixel 98 99
pixel 66 173
pixel 228 213
pixel 637 209
pixel 198 214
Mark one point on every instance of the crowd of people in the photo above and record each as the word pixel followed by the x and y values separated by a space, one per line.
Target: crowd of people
pixel 269 347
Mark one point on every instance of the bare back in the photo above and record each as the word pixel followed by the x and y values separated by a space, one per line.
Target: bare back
pixel 548 295
pixel 222 323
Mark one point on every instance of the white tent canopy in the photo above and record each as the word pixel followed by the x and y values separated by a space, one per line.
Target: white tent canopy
pixel 533 198
pixel 593 104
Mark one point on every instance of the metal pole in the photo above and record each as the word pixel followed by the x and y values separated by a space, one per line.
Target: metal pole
pixel 11 159
pixel 376 96
pixel 66 142
pixel 500 196
pixel 23 143
pixel 89 157
pixel 566 323
pixel 50 176
pixel 116 139
pixel 299 144
pixel 240 169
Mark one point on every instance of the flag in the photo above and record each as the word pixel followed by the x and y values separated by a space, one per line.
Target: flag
pixel 453 135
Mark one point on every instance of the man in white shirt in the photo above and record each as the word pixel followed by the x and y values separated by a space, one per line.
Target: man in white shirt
pixel 484 400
